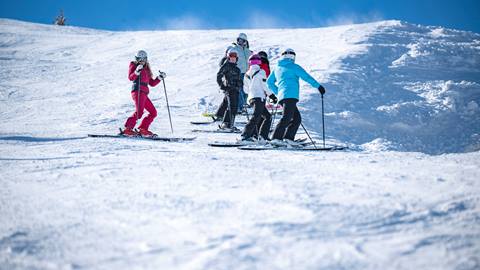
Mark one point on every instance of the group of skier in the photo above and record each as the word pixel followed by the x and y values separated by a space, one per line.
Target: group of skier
pixel 244 77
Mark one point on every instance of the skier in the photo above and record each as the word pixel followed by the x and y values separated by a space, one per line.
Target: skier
pixel 284 82
pixel 255 86
pixel 265 65
pixel 140 74
pixel 229 79
pixel 243 48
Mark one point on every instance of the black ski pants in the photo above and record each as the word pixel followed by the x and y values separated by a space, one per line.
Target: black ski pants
pixel 260 121
pixel 230 104
pixel 223 106
pixel 221 109
pixel 288 125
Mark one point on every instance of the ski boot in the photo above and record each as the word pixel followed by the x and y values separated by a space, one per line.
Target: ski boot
pixel 262 141
pixel 128 132
pixel 146 133
pixel 216 118
pixel 247 140
pixel 278 143
pixel 291 143
pixel 228 127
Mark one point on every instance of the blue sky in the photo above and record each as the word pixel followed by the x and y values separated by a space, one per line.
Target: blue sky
pixel 214 14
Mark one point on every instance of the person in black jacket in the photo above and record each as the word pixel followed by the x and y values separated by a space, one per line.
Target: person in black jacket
pixel 229 79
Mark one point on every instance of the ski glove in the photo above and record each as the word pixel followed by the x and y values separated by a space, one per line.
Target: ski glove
pixel 138 69
pixel 321 89
pixel 273 98
pixel 161 75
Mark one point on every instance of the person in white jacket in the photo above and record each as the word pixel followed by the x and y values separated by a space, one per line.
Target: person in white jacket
pixel 243 48
pixel 255 86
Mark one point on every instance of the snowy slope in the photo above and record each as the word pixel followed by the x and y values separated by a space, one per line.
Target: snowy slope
pixel 413 88
pixel 70 202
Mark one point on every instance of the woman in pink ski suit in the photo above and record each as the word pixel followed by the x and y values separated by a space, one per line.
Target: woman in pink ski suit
pixel 140 74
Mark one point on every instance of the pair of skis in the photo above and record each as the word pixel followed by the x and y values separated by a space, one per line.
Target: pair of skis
pixel 152 138
pixel 212 122
pixel 300 145
pixel 240 143
pixel 308 147
pixel 219 130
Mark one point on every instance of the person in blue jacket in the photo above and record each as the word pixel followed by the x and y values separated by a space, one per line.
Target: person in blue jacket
pixel 284 83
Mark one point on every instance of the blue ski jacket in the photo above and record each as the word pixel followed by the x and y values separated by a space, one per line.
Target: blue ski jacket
pixel 283 81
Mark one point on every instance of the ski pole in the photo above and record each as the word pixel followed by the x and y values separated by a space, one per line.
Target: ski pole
pixel 253 121
pixel 229 108
pixel 244 104
pixel 138 95
pixel 314 145
pixel 168 107
pixel 323 124
pixel 274 116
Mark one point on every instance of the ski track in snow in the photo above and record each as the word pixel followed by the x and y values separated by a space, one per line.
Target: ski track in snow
pixel 72 202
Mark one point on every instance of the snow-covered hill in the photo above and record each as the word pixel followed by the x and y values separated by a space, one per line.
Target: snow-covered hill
pixel 390 84
pixel 70 202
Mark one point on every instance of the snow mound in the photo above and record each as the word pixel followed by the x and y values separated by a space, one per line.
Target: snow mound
pixel 416 87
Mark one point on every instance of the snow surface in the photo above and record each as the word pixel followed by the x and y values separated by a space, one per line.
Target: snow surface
pixel 404 97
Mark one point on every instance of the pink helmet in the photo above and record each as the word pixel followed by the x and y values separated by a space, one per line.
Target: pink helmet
pixel 254 60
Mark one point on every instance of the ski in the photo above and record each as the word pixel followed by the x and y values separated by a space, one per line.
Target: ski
pixel 302 141
pixel 207 114
pixel 227 131
pixel 201 122
pixel 228 144
pixel 212 115
pixel 212 122
pixel 155 138
pixel 292 148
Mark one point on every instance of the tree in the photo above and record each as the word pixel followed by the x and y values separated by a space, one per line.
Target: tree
pixel 60 20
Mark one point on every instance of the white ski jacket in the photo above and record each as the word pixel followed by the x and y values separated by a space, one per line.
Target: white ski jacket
pixel 254 83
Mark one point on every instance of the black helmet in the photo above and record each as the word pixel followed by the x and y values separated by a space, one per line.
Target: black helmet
pixel 263 54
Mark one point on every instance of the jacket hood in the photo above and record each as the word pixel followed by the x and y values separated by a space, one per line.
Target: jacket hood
pixel 253 69
pixel 285 61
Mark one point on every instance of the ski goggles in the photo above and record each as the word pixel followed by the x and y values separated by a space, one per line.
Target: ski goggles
pixel 141 59
pixel 254 62
pixel 288 52
pixel 241 41
pixel 232 54
pixel 289 55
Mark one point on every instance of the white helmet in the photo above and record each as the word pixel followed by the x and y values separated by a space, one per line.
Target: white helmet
pixel 141 55
pixel 242 39
pixel 242 36
pixel 289 53
pixel 232 50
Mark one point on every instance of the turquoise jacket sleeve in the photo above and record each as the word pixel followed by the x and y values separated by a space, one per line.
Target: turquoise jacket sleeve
pixel 306 77
pixel 271 82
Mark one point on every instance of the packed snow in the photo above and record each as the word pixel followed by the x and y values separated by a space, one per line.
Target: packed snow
pixel 405 98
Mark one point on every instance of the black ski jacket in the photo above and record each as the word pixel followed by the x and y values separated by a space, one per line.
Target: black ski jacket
pixel 229 77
